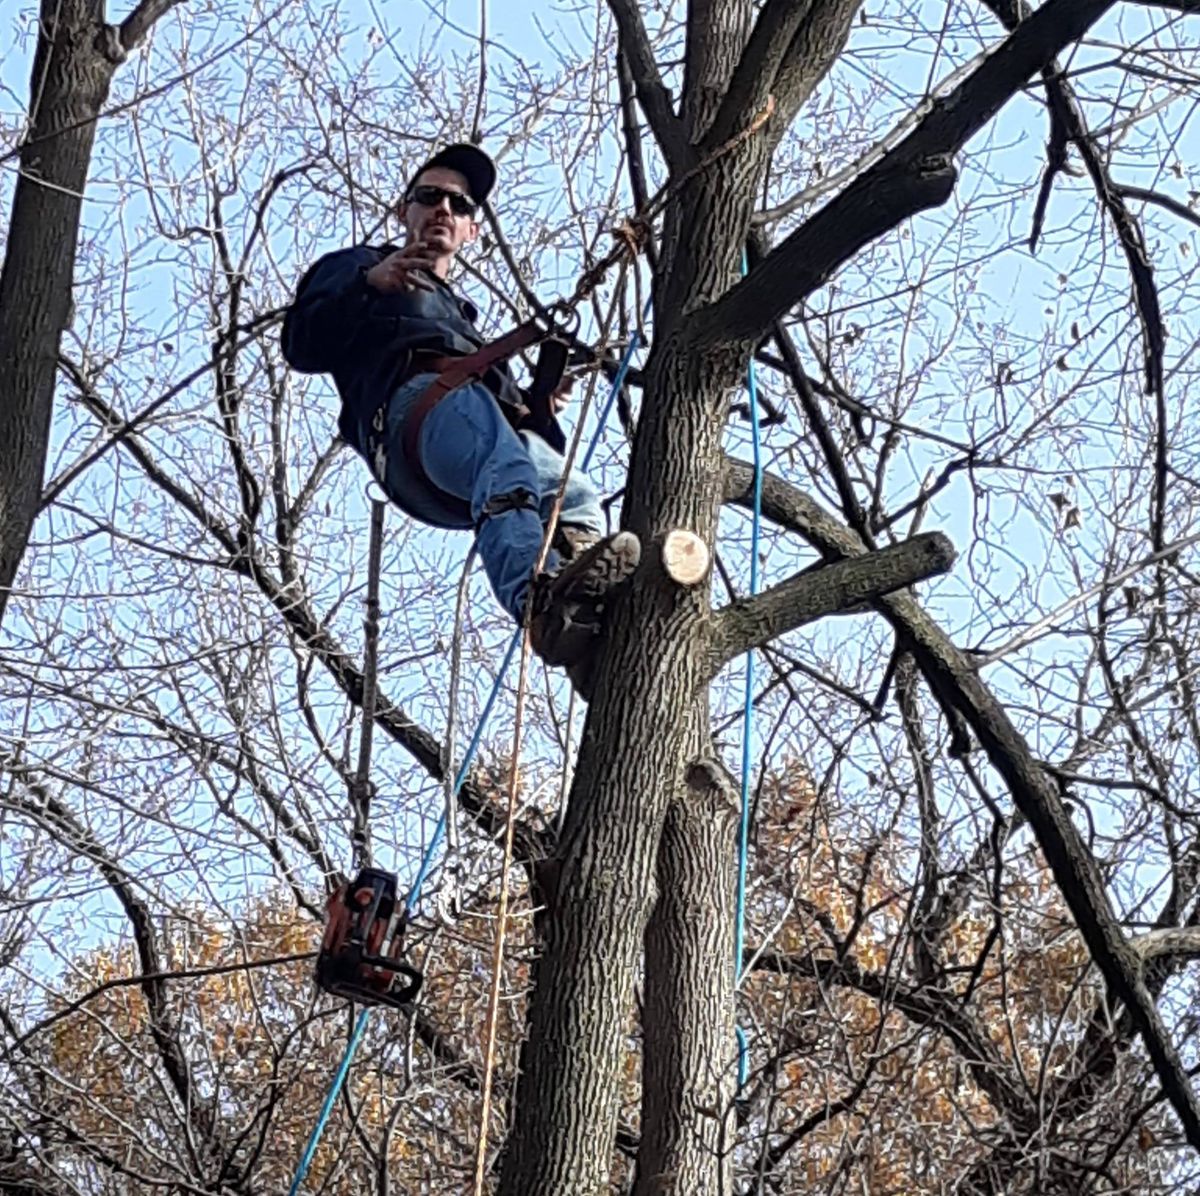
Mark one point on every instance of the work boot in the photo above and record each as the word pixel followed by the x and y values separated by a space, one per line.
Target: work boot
pixel 568 606
pixel 572 540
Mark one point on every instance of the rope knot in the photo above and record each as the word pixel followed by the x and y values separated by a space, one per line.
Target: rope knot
pixel 632 234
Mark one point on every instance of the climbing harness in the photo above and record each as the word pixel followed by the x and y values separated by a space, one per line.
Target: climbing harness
pixel 510 500
pixel 544 330
pixel 361 951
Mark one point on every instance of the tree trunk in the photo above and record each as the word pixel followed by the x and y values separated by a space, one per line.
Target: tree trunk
pixel 72 69
pixel 639 740
pixel 636 746
pixel 689 1071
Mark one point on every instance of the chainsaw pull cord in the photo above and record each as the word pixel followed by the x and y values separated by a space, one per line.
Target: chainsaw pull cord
pixel 361 789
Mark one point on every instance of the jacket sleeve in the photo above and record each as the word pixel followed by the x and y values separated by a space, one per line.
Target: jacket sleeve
pixel 332 306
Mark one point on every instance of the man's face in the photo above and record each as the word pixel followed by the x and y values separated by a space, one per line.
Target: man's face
pixel 437 224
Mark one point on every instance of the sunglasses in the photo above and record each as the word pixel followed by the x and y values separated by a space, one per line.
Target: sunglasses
pixel 429 196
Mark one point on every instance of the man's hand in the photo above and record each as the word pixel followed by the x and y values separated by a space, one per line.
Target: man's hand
pixel 561 395
pixel 401 271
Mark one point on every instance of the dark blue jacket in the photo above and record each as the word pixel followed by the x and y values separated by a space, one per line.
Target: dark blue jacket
pixel 341 326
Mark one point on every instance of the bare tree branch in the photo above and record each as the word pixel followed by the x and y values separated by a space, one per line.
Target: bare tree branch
pixel 652 93
pixel 532 843
pixel 1181 942
pixel 915 174
pixel 1170 203
pixel 99 990
pixel 143 18
pixel 754 77
pixel 958 687
pixel 937 1008
pixel 753 622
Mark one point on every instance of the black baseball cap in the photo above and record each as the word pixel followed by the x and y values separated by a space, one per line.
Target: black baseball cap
pixel 470 161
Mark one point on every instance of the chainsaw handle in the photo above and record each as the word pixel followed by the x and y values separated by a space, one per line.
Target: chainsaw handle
pixel 408 993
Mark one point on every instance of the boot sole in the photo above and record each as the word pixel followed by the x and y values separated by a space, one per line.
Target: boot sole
pixel 569 626
pixel 599 570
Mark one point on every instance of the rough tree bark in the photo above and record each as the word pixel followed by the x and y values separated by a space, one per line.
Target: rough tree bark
pixel 77 55
pixel 647 858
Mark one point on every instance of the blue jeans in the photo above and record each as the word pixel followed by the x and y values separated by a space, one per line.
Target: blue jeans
pixel 469 450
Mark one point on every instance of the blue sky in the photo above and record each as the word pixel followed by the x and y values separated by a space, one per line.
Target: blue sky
pixel 980 290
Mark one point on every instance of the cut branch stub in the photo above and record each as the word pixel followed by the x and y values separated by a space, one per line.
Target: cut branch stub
pixel 685 557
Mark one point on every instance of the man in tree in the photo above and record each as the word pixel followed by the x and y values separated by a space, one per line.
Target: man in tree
pixel 383 321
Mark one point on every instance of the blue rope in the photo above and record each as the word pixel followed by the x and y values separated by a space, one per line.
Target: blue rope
pixel 618 381
pixel 338 1080
pixel 439 830
pixel 739 936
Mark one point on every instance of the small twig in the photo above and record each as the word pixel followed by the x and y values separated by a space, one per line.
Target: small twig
pixel 1032 632
pixel 481 94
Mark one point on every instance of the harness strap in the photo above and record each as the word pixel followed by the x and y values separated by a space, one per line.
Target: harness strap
pixel 511 500
pixel 454 372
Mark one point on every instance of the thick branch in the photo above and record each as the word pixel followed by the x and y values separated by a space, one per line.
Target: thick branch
pixel 936 1008
pixel 835 461
pixel 817 38
pixel 752 622
pixel 73 66
pixel 917 173
pixel 958 688
pixel 1181 942
pixel 71 75
pixel 139 22
pixel 754 77
pixel 1173 205
pixel 652 93
pixel 634 157
pixel 818 44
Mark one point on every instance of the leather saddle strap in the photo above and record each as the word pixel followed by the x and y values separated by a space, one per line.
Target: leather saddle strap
pixel 462 371
pixel 474 365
